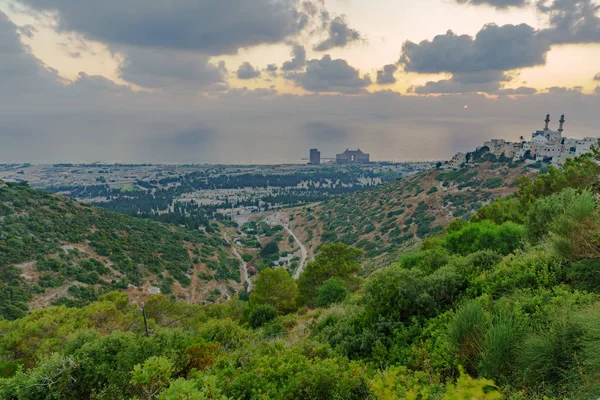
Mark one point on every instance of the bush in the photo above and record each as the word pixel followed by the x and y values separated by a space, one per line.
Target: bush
pixel 332 291
pixel 576 232
pixel 262 314
pixel 467 334
pixel 585 275
pixel 486 235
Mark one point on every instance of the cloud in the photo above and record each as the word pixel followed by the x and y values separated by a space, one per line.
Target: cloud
pixel 172 70
pixel 92 84
pixel 495 47
pixel 20 72
pixel 272 70
pixel 327 75
pixel 208 26
pixel 245 92
pixel 522 90
pixel 27 30
pixel 466 82
pixel 247 71
pixel 477 64
pixel 571 21
pixel 385 76
pixel 44 119
pixel 453 86
pixel 298 59
pixel 597 77
pixel 340 35
pixel 500 4
pixel 562 90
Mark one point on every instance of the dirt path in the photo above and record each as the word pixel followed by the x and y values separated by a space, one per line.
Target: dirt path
pixel 282 219
pixel 303 252
pixel 243 266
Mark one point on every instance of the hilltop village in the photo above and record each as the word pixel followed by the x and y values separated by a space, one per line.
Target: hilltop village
pixel 546 146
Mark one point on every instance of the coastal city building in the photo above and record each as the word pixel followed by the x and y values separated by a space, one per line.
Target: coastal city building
pixel 545 145
pixel 315 157
pixel 352 156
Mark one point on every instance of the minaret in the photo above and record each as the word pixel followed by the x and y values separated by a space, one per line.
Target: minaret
pixel 546 128
pixel 562 123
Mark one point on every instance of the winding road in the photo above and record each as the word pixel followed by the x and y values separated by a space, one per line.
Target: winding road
pixel 279 219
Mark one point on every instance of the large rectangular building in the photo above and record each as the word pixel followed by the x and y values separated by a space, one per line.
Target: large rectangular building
pixel 352 156
pixel 315 157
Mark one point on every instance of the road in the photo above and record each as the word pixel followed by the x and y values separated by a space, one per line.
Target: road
pixel 244 265
pixel 281 219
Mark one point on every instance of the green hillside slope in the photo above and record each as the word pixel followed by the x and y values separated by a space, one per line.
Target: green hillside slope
pixel 391 218
pixel 504 306
pixel 53 249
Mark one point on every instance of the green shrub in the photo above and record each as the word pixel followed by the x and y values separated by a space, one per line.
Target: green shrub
pixel 332 291
pixel 467 333
pixel 262 314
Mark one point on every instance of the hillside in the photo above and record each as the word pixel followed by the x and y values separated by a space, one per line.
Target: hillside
pixel 54 250
pixel 392 218
pixel 504 306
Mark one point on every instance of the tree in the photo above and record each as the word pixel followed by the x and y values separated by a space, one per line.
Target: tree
pixel 334 260
pixel 332 291
pixel 152 376
pixel 277 288
pixel 270 248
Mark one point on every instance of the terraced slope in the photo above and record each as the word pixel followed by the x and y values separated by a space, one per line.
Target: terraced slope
pixel 55 250
pixel 395 217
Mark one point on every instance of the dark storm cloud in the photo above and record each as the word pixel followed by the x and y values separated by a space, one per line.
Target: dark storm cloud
pixel 327 75
pixel 298 60
pixel 177 70
pixel 495 47
pixel 385 76
pixel 340 34
pixel 208 26
pixel 571 21
pixel 247 71
pixel 501 4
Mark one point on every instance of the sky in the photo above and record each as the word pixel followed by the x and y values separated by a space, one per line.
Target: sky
pixel 263 81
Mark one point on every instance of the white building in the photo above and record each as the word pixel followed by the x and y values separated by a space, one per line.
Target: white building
pixel 545 145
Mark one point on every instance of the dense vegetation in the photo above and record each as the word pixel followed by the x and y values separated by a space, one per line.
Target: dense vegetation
pixel 42 229
pixel 389 219
pixel 504 305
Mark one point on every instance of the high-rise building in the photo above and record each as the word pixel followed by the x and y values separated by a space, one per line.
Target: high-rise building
pixel 315 157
